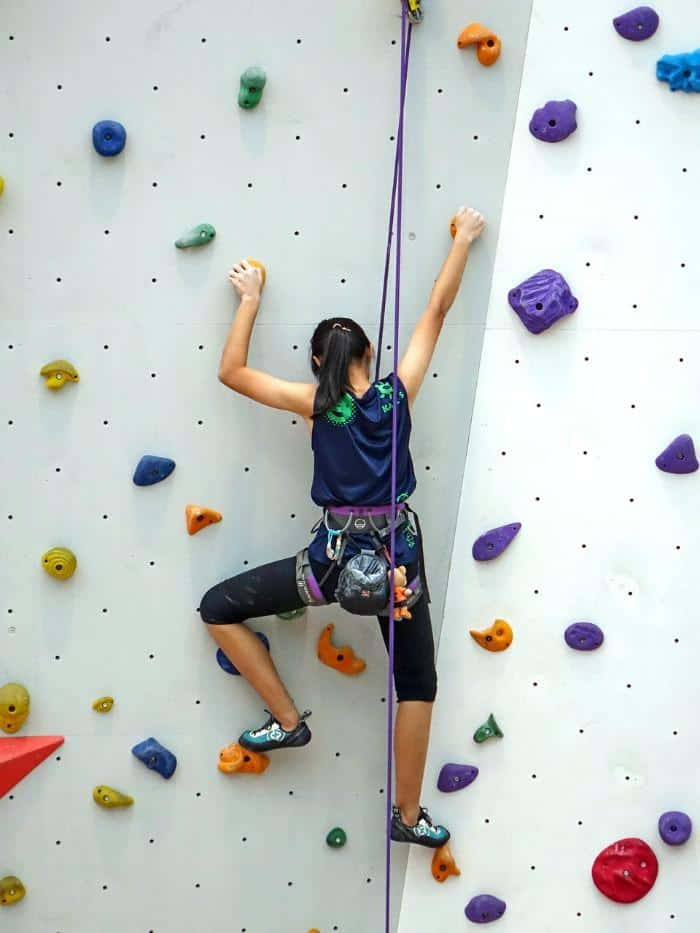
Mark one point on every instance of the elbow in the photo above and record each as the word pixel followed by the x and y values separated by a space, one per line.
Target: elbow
pixel 228 378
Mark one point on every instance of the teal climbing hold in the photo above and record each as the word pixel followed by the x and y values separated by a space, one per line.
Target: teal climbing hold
pixel 253 81
pixel 336 838
pixel 489 730
pixel 197 236
pixel 292 614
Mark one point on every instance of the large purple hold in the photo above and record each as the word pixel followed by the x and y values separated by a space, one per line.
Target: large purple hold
pixel 679 456
pixel 555 121
pixel 455 777
pixel 584 636
pixel 640 23
pixel 541 300
pixel 494 542
pixel 675 827
pixel 485 908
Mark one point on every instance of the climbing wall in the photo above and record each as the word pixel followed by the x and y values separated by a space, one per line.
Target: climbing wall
pixel 566 429
pixel 89 273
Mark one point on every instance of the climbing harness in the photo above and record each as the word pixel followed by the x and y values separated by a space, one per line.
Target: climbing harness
pixel 414 11
pixel 363 586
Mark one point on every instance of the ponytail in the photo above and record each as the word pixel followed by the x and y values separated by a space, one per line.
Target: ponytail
pixel 336 342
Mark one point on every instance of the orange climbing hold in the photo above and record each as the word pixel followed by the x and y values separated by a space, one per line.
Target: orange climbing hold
pixel 497 637
pixel 488 45
pixel 235 758
pixel 259 265
pixel 443 864
pixel 198 517
pixel 20 755
pixel 342 659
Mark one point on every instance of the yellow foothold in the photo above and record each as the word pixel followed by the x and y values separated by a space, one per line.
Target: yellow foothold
pixel 60 562
pixel 497 637
pixel 58 373
pixel 11 890
pixel 103 704
pixel 2 184
pixel 108 797
pixel 14 707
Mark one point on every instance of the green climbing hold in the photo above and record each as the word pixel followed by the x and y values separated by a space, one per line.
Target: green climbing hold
pixel 336 838
pixel 488 730
pixel 197 236
pixel 11 890
pixel 292 614
pixel 252 83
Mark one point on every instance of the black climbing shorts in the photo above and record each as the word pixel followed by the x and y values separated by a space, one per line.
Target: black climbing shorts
pixel 271 589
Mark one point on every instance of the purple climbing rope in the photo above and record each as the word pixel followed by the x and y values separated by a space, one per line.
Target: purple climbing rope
pixel 396 208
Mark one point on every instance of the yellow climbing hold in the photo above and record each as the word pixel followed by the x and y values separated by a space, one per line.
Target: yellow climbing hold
pixel 103 704
pixel 263 272
pixel 14 707
pixel 60 562
pixel 109 797
pixel 58 373
pixel 2 184
pixel 11 890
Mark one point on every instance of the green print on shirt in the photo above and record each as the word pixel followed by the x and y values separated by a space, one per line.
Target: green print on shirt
pixel 344 412
pixel 386 390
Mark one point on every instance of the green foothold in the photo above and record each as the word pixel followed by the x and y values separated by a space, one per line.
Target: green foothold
pixel 336 838
pixel 11 890
pixel 252 83
pixel 109 797
pixel 197 236
pixel 489 730
pixel 292 614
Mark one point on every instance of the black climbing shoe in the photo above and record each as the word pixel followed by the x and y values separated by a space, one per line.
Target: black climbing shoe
pixel 272 735
pixel 423 832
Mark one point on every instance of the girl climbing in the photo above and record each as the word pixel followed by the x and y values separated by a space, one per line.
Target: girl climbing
pixel 350 421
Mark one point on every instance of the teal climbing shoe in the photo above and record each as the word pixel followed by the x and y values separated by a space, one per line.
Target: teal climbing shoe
pixel 271 735
pixel 423 832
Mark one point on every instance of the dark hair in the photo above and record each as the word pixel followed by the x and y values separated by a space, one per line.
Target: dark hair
pixel 335 342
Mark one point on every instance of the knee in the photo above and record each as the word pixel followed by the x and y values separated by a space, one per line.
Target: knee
pixel 417 684
pixel 215 610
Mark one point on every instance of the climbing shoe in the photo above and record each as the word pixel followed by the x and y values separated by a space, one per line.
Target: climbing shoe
pixel 423 832
pixel 272 735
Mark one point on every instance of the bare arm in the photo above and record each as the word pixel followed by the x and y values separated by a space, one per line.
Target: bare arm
pixel 234 371
pixel 421 347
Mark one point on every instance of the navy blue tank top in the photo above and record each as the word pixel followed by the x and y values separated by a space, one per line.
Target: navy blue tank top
pixel 351 444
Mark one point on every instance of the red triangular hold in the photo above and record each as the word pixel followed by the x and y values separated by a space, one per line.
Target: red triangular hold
pixel 20 755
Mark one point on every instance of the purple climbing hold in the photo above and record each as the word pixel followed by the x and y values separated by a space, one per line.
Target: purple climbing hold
pixel 455 777
pixel 485 908
pixel 555 121
pixel 640 23
pixel 584 636
pixel 679 456
pixel 541 300
pixel 494 542
pixel 675 827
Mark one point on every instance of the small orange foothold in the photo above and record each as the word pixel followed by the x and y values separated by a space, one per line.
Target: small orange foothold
pixel 259 265
pixel 341 659
pixel 497 637
pixel 453 228
pixel 235 758
pixel 199 516
pixel 443 864
pixel 488 45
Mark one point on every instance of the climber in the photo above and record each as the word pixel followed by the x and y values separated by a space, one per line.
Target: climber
pixel 350 421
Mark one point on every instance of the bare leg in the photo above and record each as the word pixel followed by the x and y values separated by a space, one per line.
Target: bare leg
pixel 411 734
pixel 244 649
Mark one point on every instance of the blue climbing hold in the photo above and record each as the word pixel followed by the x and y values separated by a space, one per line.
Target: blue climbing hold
pixel 108 137
pixel 230 668
pixel 494 542
pixel 151 470
pixel 681 71
pixel 156 757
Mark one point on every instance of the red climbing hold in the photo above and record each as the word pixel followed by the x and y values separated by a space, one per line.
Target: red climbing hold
pixel 20 755
pixel 625 871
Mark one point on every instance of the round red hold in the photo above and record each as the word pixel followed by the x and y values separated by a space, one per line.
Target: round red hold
pixel 625 871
